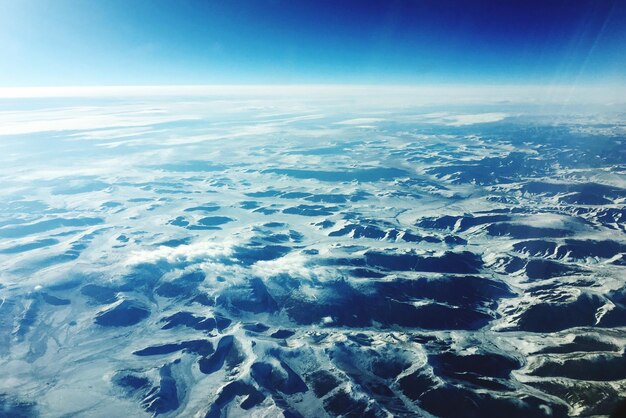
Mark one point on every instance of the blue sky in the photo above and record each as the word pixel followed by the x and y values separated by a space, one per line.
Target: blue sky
pixel 141 42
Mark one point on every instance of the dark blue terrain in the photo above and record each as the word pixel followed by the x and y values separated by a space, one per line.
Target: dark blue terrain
pixel 240 258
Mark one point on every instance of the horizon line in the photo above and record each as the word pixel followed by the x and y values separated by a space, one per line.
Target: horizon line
pixel 536 93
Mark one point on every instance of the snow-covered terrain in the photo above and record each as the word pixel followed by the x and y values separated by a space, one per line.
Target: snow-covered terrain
pixel 288 257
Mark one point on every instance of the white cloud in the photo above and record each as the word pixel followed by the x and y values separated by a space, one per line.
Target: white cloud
pixel 449 119
pixel 87 118
pixel 200 251
pixel 359 121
